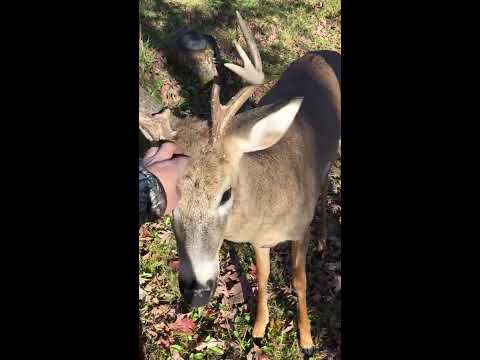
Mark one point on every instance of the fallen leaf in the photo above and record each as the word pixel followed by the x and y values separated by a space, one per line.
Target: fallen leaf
pixel 144 232
pixel 183 325
pixel 174 264
pixel 321 28
pixel 256 354
pixel 288 328
pixel 171 313
pixel 159 327
pixel 176 355
pixel 152 334
pixel 221 288
pixel 165 343
pixel 235 295
pixel 253 269
pixel 210 344
pixel 230 267
pixel 164 91
pixel 160 310
pixel 228 314
pixel 233 276
pixel 225 326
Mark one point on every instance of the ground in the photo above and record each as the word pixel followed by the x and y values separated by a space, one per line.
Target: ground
pixel 284 30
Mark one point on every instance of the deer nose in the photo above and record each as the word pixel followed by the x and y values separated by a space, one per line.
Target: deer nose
pixel 196 294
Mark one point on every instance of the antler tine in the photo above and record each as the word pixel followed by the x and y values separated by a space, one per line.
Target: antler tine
pixel 217 109
pixel 252 46
pixel 253 75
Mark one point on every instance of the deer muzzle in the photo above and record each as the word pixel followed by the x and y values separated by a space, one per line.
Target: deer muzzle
pixel 196 294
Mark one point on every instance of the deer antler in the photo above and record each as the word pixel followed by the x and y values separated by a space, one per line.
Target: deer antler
pixel 253 75
pixel 157 127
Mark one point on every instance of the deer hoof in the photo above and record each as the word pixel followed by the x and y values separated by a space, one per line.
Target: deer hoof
pixel 258 341
pixel 308 352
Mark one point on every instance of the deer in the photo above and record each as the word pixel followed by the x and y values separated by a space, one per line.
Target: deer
pixel 255 176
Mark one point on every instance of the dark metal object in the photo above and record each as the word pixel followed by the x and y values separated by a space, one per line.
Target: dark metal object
pixel 192 41
pixel 196 52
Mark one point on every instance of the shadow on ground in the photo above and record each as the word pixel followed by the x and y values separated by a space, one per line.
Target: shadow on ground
pixel 161 21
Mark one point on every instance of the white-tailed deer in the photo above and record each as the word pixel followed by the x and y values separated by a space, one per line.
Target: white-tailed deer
pixel 255 176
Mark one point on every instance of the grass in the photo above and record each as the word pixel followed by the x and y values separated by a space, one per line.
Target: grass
pixel 284 31
pixel 161 303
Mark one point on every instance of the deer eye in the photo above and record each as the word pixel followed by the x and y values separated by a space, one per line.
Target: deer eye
pixel 226 196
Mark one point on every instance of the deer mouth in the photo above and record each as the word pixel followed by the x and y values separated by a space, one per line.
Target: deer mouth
pixel 196 295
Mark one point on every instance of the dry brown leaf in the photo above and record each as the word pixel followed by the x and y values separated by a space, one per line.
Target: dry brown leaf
pixel 165 343
pixel 159 327
pixel 160 310
pixel 171 313
pixel 233 276
pixel 164 91
pixel 228 314
pixel 221 288
pixel 174 264
pixel 212 343
pixel 256 354
pixel 288 328
pixel 231 267
pixel 183 325
pixel 235 295
pixel 152 334
pixel 225 325
pixel 321 28
pixel 176 355
pixel 144 232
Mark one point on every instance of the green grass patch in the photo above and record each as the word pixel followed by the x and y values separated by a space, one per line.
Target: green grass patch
pixel 284 30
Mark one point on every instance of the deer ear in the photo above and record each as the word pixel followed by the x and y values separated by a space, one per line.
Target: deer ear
pixel 263 127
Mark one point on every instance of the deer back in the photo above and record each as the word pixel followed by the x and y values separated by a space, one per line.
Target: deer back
pixel 279 187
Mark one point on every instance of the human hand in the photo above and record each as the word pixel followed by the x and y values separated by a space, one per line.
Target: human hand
pixel 168 165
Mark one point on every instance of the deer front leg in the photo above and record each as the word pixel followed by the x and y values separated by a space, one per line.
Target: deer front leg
pixel 262 258
pixel 299 254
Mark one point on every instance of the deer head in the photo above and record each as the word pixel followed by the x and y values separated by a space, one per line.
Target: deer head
pixel 210 186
